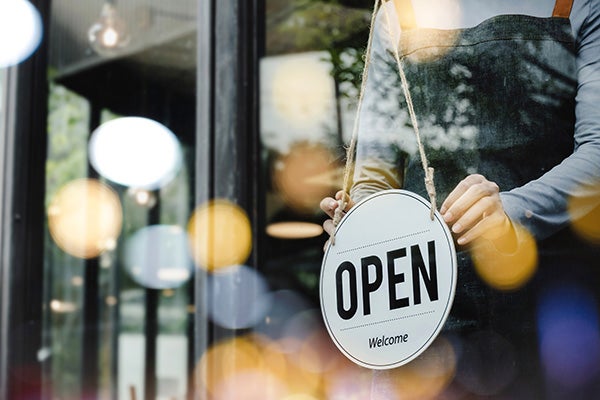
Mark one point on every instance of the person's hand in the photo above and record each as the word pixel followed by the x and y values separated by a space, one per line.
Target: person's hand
pixel 329 205
pixel 474 210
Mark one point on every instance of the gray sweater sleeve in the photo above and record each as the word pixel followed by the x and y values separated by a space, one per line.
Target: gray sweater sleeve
pixel 542 205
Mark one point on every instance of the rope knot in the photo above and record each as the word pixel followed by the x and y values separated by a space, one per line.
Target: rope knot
pixel 337 215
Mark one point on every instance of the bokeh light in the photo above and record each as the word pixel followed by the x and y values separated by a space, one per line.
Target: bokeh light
pixel 158 257
pixel 285 306
pixel 220 235
pixel 236 297
pixel 251 385
pixel 300 397
pixel 294 230
pixel 135 152
pixel 295 176
pixel 441 14
pixel 317 353
pixel 584 210
pixel 424 378
pixel 428 375
pixel 224 359
pixel 142 197
pixel 242 367
pixel 351 382
pixel 501 264
pixel 20 31
pixel 299 328
pixel 569 335
pixel 255 366
pixel 62 307
pixel 85 217
pixel 224 368
pixel 444 15
pixel 487 363
pixel 303 90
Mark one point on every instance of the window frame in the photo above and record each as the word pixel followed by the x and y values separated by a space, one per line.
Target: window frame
pixel 23 158
pixel 228 158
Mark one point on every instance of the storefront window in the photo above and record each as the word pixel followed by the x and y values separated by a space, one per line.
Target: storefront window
pixel 308 90
pixel 121 127
pixel 162 166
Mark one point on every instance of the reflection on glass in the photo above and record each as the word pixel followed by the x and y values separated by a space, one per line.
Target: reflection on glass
pixel 349 381
pixel 488 363
pixel 220 235
pixel 136 152
pixel 20 31
pixel 157 256
pixel 172 366
pixel 301 175
pixel 298 99
pixel 285 305
pixel 569 334
pixel 85 217
pixel 237 297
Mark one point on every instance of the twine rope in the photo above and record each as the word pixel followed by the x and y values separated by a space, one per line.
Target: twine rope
pixel 351 150
pixel 428 171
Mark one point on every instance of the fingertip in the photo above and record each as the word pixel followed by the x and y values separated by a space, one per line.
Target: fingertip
pixel 340 195
pixel 447 216
pixel 457 228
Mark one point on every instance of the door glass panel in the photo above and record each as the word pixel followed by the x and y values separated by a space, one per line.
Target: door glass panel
pixel 119 188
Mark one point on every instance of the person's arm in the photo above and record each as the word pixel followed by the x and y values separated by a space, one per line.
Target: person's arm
pixel 541 206
pixel 379 164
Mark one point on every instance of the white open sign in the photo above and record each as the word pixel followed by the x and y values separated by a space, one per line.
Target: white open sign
pixel 388 283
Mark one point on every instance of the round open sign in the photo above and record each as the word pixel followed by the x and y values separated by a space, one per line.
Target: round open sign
pixel 388 283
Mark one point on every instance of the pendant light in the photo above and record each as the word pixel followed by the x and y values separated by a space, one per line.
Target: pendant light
pixel 109 34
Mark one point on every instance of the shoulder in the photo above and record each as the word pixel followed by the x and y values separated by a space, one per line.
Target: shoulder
pixel 386 28
pixel 585 19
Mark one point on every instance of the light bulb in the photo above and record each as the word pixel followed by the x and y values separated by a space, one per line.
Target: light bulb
pixel 109 34
pixel 20 31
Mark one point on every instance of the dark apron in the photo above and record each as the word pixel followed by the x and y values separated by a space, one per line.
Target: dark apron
pixel 505 90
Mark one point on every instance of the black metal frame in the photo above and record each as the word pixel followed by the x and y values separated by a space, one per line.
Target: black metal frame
pixel 227 145
pixel 22 235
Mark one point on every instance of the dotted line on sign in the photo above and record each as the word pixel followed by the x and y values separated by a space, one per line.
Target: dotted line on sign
pixel 388 320
pixel 383 241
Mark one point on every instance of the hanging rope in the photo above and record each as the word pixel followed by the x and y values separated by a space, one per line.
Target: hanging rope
pixel 350 151
pixel 428 171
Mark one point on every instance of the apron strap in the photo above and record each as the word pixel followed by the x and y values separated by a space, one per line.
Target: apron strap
pixel 562 8
pixel 406 14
